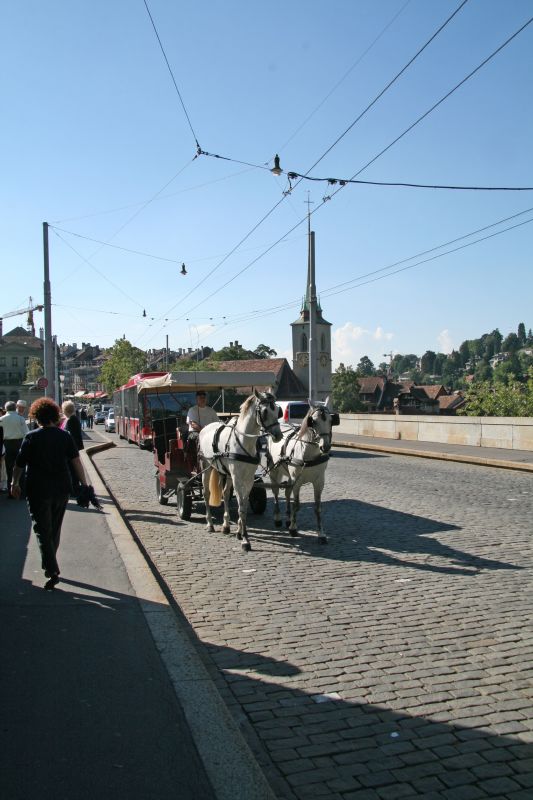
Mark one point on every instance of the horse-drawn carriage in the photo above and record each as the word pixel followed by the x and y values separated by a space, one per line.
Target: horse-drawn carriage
pixel 176 455
pixel 241 455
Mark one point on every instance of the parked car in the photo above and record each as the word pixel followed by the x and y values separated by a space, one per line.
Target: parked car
pixel 100 417
pixel 109 423
pixel 293 411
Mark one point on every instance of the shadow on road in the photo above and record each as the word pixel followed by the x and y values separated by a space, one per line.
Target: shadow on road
pixel 320 744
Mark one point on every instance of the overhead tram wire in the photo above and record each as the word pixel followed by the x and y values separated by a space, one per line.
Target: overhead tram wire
pixel 457 86
pixel 435 34
pixel 360 282
pixel 146 202
pixel 391 82
pixel 432 258
pixel 445 97
pixel 384 150
pixel 381 93
pixel 172 76
pixel 348 71
pixel 329 291
pixel 139 252
pixel 102 274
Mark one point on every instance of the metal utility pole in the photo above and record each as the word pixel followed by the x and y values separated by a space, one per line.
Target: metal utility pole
pixel 166 355
pixel 312 315
pixel 49 355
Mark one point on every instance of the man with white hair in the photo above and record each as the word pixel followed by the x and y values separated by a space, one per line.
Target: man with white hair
pixel 15 429
pixel 21 408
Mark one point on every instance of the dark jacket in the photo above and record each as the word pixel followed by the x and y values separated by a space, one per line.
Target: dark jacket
pixel 73 426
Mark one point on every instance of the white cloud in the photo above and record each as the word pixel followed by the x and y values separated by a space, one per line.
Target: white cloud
pixel 351 342
pixel 344 338
pixel 445 342
pixel 380 336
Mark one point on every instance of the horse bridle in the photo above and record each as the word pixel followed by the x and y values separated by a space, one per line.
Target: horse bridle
pixel 317 436
pixel 259 415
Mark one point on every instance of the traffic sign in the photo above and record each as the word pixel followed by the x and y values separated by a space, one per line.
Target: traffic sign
pixel 42 383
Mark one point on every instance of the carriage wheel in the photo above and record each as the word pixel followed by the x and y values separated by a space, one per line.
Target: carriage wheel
pixel 183 503
pixel 162 499
pixel 258 498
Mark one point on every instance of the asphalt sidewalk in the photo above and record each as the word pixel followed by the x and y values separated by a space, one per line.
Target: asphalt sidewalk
pixel 103 692
pixel 484 456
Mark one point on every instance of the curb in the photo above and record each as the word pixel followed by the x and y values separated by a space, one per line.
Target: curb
pixel 231 767
pixel 482 462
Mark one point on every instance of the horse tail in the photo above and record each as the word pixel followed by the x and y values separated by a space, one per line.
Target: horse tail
pixel 215 495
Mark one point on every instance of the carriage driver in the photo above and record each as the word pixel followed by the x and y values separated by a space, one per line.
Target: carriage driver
pixel 201 414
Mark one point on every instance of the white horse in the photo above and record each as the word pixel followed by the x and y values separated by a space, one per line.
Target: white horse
pixel 302 457
pixel 231 450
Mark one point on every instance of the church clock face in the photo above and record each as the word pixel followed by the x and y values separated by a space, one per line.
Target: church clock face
pixel 302 359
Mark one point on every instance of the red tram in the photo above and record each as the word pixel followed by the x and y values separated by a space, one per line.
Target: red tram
pixel 145 398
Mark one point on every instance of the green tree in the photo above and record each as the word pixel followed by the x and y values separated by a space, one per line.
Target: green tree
pixel 464 352
pixel 427 362
pixel 511 343
pixel 345 390
pixel 440 360
pixel 483 371
pixel 34 370
pixel 264 351
pixel 522 333
pixel 365 367
pixel 513 399
pixel 507 370
pixel 124 361
pixel 404 364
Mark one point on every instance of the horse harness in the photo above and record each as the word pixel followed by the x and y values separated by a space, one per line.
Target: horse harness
pixel 245 458
pixel 289 460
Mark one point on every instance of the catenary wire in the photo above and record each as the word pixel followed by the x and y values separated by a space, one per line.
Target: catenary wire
pixel 172 76
pixel 435 34
pixel 328 291
pixel 423 116
pixel 102 274
pixel 145 202
pixel 445 97
pixel 473 72
pixel 351 68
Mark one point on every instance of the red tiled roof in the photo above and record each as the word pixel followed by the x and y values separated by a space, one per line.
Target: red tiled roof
pixel 451 401
pixel 370 384
pixel 434 392
pixel 274 365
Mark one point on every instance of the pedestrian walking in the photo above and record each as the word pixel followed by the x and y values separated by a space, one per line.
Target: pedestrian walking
pixel 45 455
pixel 83 417
pixel 3 477
pixel 90 415
pixel 72 424
pixel 14 430
pixel 22 408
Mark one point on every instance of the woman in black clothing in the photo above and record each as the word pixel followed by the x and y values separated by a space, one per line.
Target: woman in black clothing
pixel 46 454
pixel 72 424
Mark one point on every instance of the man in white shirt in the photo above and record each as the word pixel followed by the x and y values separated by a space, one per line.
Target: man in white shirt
pixel 201 414
pixel 15 429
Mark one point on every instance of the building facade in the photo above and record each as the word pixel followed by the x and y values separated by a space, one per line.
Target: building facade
pixel 16 349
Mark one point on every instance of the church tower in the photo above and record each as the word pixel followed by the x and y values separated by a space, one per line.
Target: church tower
pixel 301 334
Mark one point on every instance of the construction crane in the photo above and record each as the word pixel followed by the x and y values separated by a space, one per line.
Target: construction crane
pixel 29 311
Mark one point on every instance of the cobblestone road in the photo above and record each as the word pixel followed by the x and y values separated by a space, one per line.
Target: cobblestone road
pixel 396 661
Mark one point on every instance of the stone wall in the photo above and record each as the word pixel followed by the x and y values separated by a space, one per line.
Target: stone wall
pixel 514 433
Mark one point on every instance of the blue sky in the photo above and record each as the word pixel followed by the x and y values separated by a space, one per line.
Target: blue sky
pixel 95 141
